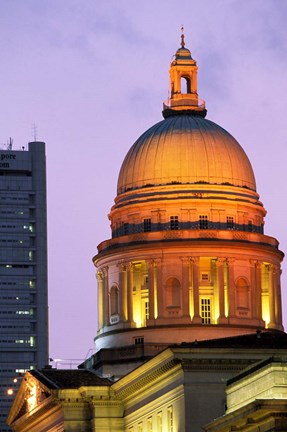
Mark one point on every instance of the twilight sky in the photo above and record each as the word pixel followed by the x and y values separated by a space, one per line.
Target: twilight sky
pixel 92 76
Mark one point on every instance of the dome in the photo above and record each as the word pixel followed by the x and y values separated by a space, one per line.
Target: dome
pixel 185 149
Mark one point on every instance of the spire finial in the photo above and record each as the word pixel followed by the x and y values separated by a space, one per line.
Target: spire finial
pixel 182 37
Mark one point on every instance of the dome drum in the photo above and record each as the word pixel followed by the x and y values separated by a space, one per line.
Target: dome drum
pixel 169 283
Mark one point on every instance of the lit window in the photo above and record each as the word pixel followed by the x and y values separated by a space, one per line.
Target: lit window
pixel 205 311
pixel 146 305
pixel 229 222
pixel 203 222
pixel 32 341
pixel 174 223
pixel 147 225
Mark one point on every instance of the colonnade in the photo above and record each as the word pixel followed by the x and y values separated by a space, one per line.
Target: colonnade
pixel 224 293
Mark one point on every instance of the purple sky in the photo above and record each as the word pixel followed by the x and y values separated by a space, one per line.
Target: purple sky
pixel 92 76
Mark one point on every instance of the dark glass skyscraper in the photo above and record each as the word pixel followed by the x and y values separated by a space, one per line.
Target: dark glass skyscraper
pixel 23 268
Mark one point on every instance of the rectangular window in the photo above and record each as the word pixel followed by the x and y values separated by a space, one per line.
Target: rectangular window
pixel 146 306
pixel 147 225
pixel 229 222
pixel 250 226
pixel 174 223
pixel 139 340
pixel 205 311
pixel 203 222
pixel 205 277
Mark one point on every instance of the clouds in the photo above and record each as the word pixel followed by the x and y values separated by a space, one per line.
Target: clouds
pixel 93 75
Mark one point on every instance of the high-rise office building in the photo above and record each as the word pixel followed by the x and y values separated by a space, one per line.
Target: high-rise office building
pixel 23 268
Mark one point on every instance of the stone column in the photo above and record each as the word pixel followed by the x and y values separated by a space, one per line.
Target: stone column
pixel 123 312
pixel 231 288
pixel 159 289
pixel 271 289
pixel 99 276
pixel 151 289
pixel 130 291
pixel 106 317
pixel 185 286
pixel 220 284
pixel 256 295
pixel 195 288
pixel 277 297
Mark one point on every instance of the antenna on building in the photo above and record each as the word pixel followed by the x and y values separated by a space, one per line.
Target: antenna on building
pixel 10 144
pixel 34 131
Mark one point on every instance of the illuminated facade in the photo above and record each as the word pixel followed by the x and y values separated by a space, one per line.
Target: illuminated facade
pixel 188 258
pixel 23 268
pixel 188 286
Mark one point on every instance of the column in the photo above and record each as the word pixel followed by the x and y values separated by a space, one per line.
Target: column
pixel 231 287
pixel 220 285
pixel 123 292
pixel 159 289
pixel 99 276
pixel 277 298
pixel 106 318
pixel 271 290
pixel 256 294
pixel 195 288
pixel 130 291
pixel 185 286
pixel 151 289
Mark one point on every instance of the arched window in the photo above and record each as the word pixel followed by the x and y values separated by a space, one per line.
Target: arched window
pixel 242 293
pixel 185 86
pixel 172 292
pixel 114 300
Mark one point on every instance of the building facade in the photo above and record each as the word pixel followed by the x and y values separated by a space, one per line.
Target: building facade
pixel 188 258
pixel 189 289
pixel 23 268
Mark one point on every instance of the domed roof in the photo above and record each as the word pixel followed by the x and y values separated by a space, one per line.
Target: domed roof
pixel 185 149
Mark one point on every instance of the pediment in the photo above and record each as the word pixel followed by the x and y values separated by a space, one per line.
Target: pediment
pixel 31 395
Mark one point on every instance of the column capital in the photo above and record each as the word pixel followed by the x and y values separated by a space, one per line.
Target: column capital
pixel 220 262
pixel 99 276
pixel 157 262
pixel 105 270
pixel 255 263
pixel 194 260
pixel 185 260
pixel 122 265
pixel 230 261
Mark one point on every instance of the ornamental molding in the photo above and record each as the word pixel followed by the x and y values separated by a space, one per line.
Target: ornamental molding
pixel 216 364
pixel 136 386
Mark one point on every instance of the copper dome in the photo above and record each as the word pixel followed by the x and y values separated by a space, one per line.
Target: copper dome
pixel 185 149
